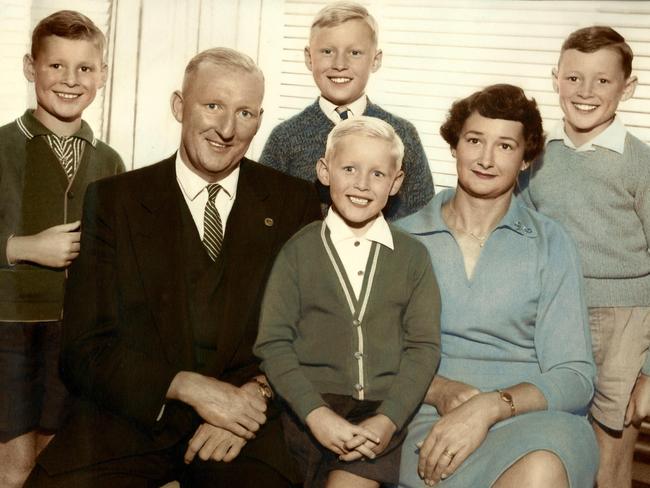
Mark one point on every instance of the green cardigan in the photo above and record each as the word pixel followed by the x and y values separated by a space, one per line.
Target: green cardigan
pixel 311 342
pixel 35 194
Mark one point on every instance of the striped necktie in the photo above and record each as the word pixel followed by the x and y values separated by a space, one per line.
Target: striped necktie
pixel 212 228
pixel 343 112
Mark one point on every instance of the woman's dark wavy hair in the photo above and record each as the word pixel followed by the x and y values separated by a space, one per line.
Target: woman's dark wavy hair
pixel 501 101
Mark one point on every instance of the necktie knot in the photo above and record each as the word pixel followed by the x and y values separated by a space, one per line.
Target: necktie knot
pixel 343 112
pixel 213 190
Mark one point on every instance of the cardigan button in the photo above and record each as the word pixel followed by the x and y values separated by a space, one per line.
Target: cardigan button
pixel 358 387
pixel 356 322
pixel 70 195
pixel 358 355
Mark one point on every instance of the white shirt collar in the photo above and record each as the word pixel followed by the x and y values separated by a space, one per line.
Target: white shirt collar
pixel 356 108
pixel 192 184
pixel 378 232
pixel 613 137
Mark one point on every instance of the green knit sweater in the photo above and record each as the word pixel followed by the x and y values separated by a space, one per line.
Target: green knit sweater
pixel 295 145
pixel 603 199
pixel 311 342
pixel 35 194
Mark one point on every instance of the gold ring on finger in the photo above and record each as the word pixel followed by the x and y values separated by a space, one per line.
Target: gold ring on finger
pixel 448 454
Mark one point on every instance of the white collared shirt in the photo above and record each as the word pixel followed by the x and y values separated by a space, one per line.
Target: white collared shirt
pixel 353 250
pixel 356 108
pixel 194 190
pixel 613 137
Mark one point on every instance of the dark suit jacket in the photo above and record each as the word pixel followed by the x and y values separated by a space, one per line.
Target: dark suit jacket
pixel 126 320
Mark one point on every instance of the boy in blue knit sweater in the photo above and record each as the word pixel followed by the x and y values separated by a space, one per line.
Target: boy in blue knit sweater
pixel 342 53
pixel 595 179
pixel 349 328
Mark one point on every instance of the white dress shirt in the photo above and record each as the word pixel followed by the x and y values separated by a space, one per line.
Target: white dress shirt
pixel 356 108
pixel 194 190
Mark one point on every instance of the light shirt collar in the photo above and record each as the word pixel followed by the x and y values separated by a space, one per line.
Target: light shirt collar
pixel 378 232
pixel 612 138
pixel 356 108
pixel 192 184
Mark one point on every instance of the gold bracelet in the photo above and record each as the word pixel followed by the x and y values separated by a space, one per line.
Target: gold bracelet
pixel 507 397
pixel 264 389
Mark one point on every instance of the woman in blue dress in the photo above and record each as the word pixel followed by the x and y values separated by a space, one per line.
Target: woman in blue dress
pixel 507 406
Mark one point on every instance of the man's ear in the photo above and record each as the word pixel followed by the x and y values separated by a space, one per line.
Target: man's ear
pixel 556 87
pixel 323 172
pixel 376 61
pixel 630 86
pixel 307 58
pixel 397 182
pixel 28 67
pixel 176 103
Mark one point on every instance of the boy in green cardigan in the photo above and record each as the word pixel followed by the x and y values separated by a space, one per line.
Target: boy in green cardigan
pixel 349 330
pixel 47 158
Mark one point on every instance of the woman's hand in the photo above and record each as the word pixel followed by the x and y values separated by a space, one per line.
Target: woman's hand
pixel 456 435
pixel 446 394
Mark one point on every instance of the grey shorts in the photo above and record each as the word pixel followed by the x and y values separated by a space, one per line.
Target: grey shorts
pixel 620 337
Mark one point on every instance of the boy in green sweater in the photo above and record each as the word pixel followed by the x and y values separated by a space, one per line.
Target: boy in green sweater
pixel 595 179
pixel 47 158
pixel 349 330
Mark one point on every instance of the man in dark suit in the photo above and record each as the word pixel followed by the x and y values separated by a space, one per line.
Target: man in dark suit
pixel 162 305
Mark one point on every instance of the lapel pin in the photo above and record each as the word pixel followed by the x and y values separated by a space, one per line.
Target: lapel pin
pixel 268 222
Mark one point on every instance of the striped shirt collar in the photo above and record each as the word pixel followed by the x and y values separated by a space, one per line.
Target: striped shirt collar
pixel 612 138
pixel 31 127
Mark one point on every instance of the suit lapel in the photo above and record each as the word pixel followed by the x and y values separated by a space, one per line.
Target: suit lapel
pixel 157 241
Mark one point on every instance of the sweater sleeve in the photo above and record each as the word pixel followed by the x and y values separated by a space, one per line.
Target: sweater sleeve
pixel 642 207
pixel 274 154
pixel 562 334
pixel 417 188
pixel 279 317
pixel 421 344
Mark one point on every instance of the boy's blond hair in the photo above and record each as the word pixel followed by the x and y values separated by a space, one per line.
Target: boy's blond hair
pixel 368 127
pixel 67 24
pixel 339 12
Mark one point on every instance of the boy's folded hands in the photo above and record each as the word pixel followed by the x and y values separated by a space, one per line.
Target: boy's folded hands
pixel 360 447
pixel 334 432
pixel 351 442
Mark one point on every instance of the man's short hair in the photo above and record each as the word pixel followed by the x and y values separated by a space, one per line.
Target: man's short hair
pixel 339 12
pixel 368 127
pixel 502 101
pixel 222 57
pixel 594 38
pixel 68 24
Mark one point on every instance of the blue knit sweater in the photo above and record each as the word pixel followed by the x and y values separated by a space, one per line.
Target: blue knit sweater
pixel 296 144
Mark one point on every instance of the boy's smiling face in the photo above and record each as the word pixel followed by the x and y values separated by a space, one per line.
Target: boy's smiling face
pixel 341 59
pixel 361 174
pixel 590 86
pixel 67 74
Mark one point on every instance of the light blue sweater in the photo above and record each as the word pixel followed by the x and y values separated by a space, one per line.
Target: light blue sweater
pixel 522 317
